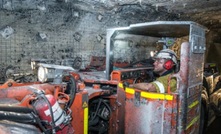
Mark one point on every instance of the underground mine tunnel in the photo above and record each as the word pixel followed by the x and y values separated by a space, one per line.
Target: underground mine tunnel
pixel 63 36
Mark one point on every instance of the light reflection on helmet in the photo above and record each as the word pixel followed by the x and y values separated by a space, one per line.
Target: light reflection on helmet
pixel 167 54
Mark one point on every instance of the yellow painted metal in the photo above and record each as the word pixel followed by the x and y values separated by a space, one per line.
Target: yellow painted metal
pixel 86 120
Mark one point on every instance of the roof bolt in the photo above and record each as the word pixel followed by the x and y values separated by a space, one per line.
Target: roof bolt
pixel 100 17
pixel 157 7
pixel 195 47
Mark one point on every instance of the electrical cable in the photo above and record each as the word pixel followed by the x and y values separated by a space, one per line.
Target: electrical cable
pixel 73 90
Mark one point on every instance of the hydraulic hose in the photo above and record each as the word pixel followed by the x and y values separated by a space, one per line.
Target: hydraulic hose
pixel 73 90
pixel 17 117
pixel 16 109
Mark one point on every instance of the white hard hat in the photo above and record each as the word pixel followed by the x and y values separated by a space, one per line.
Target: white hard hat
pixel 167 54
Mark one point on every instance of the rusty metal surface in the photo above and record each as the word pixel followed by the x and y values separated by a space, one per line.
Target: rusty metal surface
pixel 97 63
pixel 78 113
pixel 95 76
pixel 149 116
pixel 189 85
pixel 119 119
pixel 126 74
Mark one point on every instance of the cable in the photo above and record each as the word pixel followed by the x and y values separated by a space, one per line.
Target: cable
pixel 73 90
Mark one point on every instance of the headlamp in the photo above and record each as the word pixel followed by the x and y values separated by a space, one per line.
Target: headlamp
pixel 52 73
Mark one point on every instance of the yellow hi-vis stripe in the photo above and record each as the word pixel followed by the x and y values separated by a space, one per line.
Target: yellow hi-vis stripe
pixel 130 91
pixel 192 122
pixel 148 94
pixel 193 104
pixel 120 85
pixel 156 96
pixel 86 120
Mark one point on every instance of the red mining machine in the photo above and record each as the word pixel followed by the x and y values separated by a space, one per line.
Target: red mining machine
pixel 90 101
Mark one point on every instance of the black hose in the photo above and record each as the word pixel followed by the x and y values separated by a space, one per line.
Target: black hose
pixel 98 107
pixel 17 117
pixel 38 120
pixel 107 106
pixel 25 115
pixel 16 109
pixel 73 90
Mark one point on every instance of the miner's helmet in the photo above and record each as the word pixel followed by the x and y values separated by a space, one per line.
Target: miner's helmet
pixel 170 56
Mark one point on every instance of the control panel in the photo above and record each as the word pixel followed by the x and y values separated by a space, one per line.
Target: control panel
pixel 125 74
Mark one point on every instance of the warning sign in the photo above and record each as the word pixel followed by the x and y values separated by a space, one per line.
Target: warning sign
pixel 85 104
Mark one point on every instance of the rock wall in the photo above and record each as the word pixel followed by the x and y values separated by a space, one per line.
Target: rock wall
pixel 63 31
